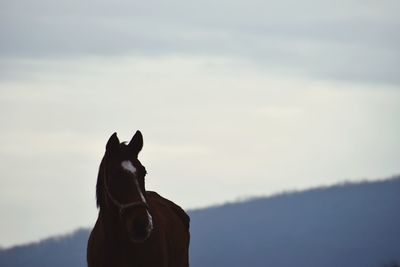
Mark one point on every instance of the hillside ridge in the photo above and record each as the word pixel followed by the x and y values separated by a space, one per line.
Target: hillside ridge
pixel 348 224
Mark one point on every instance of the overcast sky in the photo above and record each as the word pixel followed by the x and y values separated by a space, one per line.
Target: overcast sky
pixel 234 99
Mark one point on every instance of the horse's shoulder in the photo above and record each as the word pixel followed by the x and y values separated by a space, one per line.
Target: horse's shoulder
pixel 159 200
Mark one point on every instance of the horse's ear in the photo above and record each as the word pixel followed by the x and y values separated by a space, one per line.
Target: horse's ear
pixel 136 143
pixel 113 142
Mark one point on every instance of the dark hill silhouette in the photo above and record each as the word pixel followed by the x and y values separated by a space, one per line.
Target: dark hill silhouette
pixel 345 225
pixel 68 250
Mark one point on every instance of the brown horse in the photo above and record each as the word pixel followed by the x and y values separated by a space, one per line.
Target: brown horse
pixel 134 228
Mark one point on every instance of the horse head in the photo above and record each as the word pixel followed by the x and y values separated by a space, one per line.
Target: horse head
pixel 121 187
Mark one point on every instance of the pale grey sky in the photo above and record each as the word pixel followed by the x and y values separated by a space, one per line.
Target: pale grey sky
pixel 234 99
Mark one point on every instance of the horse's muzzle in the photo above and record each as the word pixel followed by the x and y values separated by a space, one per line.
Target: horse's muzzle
pixel 139 230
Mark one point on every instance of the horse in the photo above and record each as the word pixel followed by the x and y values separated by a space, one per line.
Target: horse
pixel 135 227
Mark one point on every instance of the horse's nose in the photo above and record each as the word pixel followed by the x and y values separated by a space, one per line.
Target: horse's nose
pixel 139 226
pixel 140 230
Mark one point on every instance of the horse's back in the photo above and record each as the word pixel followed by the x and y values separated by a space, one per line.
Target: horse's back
pixel 175 226
pixel 166 205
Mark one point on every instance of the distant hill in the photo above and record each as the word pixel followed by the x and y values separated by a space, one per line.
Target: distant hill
pixel 63 251
pixel 347 225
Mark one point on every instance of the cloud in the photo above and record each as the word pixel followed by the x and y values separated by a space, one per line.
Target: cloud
pixel 345 40
pixel 210 124
pixel 250 97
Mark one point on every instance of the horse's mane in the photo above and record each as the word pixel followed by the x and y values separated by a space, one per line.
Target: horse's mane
pixel 99 186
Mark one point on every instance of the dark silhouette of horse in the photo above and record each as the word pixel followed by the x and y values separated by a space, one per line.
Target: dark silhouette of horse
pixel 134 228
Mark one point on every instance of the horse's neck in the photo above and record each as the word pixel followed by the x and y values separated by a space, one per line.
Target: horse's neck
pixel 122 252
pixel 111 226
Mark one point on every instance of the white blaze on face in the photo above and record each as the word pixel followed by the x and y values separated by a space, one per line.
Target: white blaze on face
pixel 150 226
pixel 128 166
